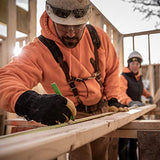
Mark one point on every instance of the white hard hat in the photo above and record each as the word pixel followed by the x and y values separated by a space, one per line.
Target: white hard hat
pixel 69 12
pixel 135 56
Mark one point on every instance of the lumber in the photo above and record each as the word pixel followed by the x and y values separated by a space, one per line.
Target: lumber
pixel 21 16
pixel 11 28
pixel 2 119
pixel 32 19
pixel 48 143
pixel 130 130
pixel 155 111
pixel 142 125
pixel 157 96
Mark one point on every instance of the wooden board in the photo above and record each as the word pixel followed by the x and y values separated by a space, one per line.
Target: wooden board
pixel 130 130
pixel 48 143
pixel 142 125
pixel 22 16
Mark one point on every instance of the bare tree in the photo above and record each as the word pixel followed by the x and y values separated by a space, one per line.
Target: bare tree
pixel 150 8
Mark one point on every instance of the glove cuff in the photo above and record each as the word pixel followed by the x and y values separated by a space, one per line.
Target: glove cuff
pixel 23 103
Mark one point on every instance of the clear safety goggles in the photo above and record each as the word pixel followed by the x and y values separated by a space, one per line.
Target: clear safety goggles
pixel 78 13
pixel 75 28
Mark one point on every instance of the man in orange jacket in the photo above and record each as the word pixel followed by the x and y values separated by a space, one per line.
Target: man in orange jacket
pixel 65 54
pixel 131 89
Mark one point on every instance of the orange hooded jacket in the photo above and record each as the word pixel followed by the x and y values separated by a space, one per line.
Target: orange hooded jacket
pixel 36 64
pixel 124 98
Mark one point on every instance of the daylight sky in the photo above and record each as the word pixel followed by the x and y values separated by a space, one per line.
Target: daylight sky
pixel 121 15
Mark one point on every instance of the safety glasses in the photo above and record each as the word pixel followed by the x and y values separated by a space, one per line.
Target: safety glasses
pixel 78 13
pixel 73 28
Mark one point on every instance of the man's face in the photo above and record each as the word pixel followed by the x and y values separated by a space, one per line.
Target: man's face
pixel 134 66
pixel 70 35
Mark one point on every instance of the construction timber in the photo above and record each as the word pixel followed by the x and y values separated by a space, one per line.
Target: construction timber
pixel 49 142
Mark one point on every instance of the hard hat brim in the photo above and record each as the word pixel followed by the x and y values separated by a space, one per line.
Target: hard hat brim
pixel 70 20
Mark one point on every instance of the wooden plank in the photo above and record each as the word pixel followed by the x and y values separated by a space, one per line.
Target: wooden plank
pixel 32 20
pixel 157 96
pixel 133 40
pixel 23 125
pixel 3 11
pixel 92 19
pixel 143 125
pixel 11 38
pixel 154 112
pixel 115 39
pixel 46 143
pixel 142 33
pixel 22 122
pixel 130 130
pixel 4 57
pixel 151 80
pixel 22 17
pixel 120 53
pixel 123 134
pixel 109 31
pixel 99 20
pixel 11 27
pixel 22 20
pixel 2 121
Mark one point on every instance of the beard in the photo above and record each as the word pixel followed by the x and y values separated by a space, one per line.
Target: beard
pixel 70 42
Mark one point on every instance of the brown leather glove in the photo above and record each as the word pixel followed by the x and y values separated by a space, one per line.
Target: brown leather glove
pixel 115 106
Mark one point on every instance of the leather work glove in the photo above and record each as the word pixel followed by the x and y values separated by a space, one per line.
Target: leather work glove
pixel 115 106
pixel 135 103
pixel 49 109
pixel 150 100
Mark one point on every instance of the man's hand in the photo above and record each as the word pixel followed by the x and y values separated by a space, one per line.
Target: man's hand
pixel 135 103
pixel 115 106
pixel 49 109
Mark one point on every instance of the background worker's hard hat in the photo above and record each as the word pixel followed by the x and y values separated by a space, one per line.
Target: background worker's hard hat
pixel 135 56
pixel 69 12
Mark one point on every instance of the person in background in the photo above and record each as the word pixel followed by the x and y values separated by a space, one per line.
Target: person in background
pixel 87 74
pixel 131 90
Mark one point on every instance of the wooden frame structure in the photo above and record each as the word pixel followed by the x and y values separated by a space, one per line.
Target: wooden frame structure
pixel 25 22
pixel 16 18
pixel 150 66
pixel 130 130
pixel 28 145
pixel 50 142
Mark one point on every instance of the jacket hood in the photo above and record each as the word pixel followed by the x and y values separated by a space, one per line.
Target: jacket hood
pixel 127 70
pixel 47 28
